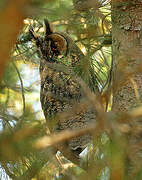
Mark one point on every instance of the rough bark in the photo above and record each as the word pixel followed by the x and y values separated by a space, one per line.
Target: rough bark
pixel 127 54
pixel 127 72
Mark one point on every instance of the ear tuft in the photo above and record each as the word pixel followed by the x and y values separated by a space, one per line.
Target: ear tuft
pixel 47 27
pixel 33 34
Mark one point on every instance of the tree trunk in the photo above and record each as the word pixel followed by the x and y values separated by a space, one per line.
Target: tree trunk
pixel 127 72
pixel 127 54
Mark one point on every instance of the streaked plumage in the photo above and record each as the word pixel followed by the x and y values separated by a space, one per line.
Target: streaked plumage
pixel 61 61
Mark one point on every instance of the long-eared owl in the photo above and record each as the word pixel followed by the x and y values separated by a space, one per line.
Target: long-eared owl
pixel 61 61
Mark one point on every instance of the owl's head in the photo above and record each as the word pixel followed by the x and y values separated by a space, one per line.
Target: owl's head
pixel 52 45
pixel 58 44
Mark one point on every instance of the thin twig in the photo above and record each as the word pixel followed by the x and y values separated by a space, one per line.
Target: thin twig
pixel 63 136
pixel 22 86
